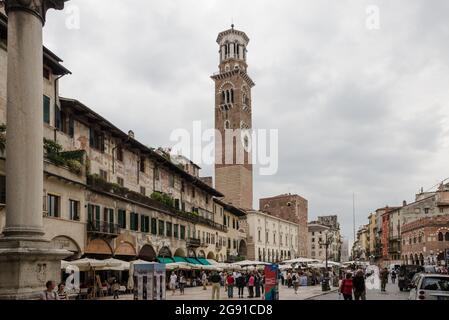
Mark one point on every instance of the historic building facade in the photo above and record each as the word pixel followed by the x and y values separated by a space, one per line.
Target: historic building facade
pixel 317 235
pixel 425 240
pixel 233 120
pixel 293 208
pixel 270 238
pixel 107 194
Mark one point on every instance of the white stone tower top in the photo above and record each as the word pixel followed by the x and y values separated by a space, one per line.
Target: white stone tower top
pixel 233 50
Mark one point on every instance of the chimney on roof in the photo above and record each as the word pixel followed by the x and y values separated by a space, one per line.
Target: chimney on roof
pixel 404 203
pixel 131 134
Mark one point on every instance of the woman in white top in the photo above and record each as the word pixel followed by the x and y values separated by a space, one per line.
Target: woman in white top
pixel 173 279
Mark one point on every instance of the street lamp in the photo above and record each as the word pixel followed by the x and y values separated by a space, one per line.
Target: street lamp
pixel 326 244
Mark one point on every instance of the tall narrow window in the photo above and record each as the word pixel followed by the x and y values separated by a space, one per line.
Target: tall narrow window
pixel 153 226
pixel 161 227
pixel 142 164
pixel 122 218
pixel 71 131
pixel 74 207
pixel 183 232
pixel 53 205
pixel 119 152
pixel 46 109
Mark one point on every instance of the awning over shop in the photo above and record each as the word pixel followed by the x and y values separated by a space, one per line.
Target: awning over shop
pixel 193 261
pixel 179 259
pixel 204 261
pixel 165 260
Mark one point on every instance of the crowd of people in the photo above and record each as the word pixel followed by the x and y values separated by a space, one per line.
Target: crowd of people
pixel 253 281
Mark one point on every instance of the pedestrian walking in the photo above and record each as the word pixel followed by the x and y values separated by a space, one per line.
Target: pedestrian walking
pixel 289 280
pixel 295 280
pixel 240 281
pixel 204 280
pixel 393 276
pixel 384 279
pixel 230 281
pixel 257 278
pixel 172 284
pixel 215 280
pixel 346 287
pixel 182 283
pixel 115 289
pixel 50 293
pixel 251 281
pixel 358 283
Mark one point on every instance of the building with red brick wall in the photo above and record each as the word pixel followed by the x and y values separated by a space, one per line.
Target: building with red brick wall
pixel 293 208
pixel 424 241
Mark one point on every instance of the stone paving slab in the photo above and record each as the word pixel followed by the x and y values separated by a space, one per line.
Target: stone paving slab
pixel 198 293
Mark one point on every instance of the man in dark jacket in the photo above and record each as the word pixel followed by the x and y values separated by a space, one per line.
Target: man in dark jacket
pixel 358 284
pixel 241 283
pixel 215 279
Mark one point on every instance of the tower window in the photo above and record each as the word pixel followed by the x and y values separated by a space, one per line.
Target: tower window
pixel 227 124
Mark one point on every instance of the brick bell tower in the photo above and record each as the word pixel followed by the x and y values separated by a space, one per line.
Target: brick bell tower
pixel 233 119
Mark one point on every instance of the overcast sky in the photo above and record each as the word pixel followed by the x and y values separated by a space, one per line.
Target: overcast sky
pixel 358 110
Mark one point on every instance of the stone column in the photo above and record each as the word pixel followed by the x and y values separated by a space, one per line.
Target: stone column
pixel 27 259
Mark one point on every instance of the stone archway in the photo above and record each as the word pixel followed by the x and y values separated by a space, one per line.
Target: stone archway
pixel 165 252
pixel 416 260
pixel 180 253
pixel 147 253
pixel 211 256
pixel 125 251
pixel 191 253
pixel 98 247
pixel 421 259
pixel 67 243
pixel 242 249
pixel 201 254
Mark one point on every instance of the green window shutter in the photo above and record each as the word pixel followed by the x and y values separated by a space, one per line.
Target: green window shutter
pixel 153 226
pixel 90 213
pixel 142 223
pixel 147 224
pixel 46 109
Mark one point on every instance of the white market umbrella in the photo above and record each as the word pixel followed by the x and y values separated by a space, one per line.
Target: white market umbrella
pixel 317 265
pixel 114 264
pixel 302 260
pixel 285 267
pixel 251 263
pixel 85 264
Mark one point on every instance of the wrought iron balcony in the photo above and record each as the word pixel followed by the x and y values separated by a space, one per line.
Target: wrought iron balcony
pixel 193 243
pixel 103 228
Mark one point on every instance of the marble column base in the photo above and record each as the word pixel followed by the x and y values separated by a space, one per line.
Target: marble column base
pixel 25 267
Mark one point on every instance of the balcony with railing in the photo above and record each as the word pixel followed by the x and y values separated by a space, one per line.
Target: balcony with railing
pixel 98 184
pixel 103 228
pixel 193 243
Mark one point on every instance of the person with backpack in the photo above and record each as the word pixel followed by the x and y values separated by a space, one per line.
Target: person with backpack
pixel 49 293
pixel 346 287
pixel 215 280
pixel 295 281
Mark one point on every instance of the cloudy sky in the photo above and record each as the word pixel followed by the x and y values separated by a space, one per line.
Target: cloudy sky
pixel 358 109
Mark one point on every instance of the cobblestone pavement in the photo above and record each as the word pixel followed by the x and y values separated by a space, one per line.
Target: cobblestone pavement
pixel 392 293
pixel 198 293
